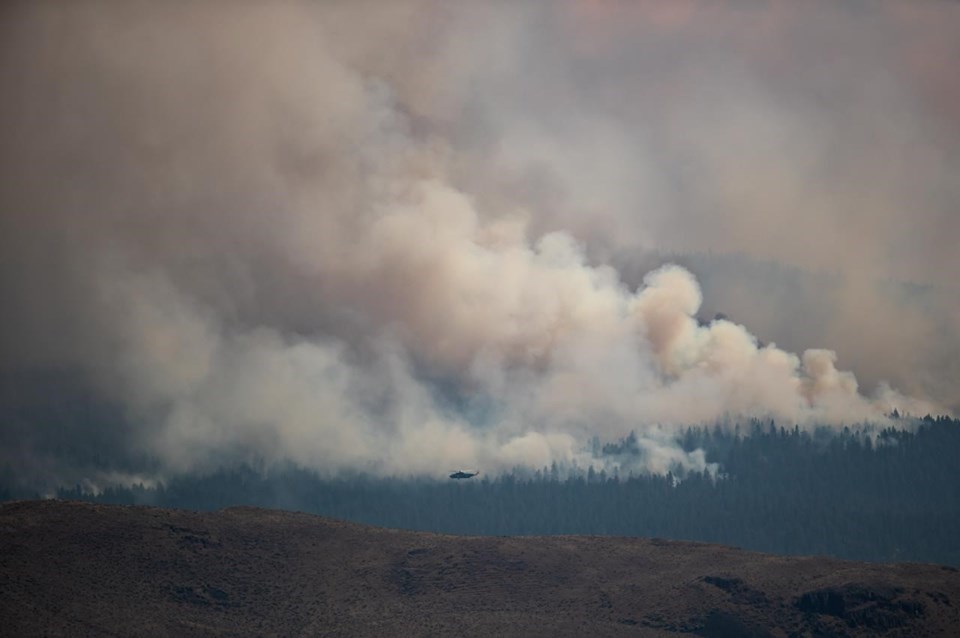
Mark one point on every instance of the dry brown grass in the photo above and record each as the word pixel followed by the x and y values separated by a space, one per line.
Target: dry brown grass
pixel 77 569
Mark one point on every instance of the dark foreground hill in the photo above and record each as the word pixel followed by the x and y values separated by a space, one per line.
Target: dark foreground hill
pixel 75 569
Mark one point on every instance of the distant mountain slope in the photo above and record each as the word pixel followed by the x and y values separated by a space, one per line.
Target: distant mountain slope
pixel 78 569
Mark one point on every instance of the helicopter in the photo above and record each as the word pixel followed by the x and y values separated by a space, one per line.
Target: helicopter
pixel 460 474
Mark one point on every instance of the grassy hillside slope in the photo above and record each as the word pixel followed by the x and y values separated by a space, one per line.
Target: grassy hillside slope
pixel 75 569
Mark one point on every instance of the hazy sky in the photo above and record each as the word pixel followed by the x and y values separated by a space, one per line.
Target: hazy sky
pixel 419 235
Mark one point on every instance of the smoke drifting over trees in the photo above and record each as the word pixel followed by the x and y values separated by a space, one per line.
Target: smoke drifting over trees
pixel 414 236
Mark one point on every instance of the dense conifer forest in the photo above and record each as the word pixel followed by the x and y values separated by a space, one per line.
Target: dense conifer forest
pixel 860 493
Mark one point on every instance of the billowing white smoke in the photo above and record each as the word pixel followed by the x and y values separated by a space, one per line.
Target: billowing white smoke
pixel 264 248
pixel 557 349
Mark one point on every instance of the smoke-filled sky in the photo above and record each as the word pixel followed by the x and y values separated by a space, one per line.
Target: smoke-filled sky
pixel 411 236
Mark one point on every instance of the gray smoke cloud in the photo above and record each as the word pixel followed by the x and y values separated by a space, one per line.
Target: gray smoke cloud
pixel 407 237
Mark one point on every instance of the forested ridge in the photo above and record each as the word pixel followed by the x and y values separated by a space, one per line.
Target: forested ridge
pixel 879 495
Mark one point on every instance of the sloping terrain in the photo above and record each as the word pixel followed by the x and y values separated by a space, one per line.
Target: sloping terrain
pixel 76 569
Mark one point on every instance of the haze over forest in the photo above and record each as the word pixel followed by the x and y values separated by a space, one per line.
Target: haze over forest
pixel 434 235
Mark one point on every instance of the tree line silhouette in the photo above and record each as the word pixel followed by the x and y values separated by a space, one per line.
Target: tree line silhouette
pixel 860 493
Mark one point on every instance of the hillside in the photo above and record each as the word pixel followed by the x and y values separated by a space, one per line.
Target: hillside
pixel 867 494
pixel 75 569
